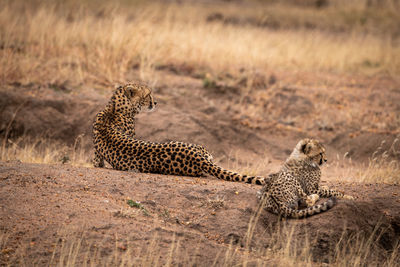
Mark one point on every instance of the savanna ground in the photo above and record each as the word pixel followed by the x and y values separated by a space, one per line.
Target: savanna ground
pixel 246 79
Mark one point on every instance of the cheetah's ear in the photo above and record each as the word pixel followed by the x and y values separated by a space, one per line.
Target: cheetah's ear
pixel 305 146
pixel 130 91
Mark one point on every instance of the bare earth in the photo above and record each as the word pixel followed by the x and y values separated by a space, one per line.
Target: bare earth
pixel 43 207
pixel 40 203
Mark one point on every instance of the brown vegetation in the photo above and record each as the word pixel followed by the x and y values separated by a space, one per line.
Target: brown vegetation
pixel 99 42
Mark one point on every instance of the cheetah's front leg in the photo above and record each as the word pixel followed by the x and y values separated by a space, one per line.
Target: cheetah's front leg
pixel 98 160
pixel 309 200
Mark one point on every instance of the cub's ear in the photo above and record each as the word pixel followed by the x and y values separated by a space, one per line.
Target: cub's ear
pixel 305 145
pixel 305 148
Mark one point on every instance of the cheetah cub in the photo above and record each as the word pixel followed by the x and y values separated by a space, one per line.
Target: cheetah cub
pixel 297 184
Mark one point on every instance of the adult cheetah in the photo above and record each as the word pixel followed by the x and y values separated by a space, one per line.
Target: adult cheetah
pixel 297 183
pixel 114 141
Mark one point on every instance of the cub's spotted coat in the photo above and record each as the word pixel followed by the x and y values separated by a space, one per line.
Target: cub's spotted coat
pixel 297 183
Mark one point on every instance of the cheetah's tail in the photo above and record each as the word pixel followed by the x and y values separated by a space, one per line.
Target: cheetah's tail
pixel 223 174
pixel 319 208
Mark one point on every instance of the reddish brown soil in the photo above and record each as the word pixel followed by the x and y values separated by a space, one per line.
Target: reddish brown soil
pixel 42 205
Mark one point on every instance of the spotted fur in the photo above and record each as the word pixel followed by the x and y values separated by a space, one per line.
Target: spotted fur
pixel 297 184
pixel 115 142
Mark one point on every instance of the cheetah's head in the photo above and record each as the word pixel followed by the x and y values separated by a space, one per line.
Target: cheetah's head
pixel 310 150
pixel 132 97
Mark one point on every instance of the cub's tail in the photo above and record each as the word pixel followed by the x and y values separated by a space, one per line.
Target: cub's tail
pixel 319 208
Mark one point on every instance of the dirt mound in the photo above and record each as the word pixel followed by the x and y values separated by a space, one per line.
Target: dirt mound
pixel 46 112
pixel 50 209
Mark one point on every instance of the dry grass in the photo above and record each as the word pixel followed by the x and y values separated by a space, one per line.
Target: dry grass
pixel 356 250
pixel 282 250
pixel 382 166
pixel 43 150
pixel 99 43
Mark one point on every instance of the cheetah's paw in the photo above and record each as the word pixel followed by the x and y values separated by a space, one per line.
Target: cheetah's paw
pixel 348 197
pixel 311 200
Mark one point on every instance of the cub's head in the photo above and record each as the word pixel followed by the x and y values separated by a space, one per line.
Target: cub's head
pixel 131 98
pixel 310 150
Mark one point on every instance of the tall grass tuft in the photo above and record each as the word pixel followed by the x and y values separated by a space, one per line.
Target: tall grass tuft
pixel 383 166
